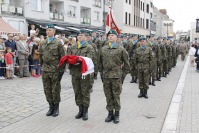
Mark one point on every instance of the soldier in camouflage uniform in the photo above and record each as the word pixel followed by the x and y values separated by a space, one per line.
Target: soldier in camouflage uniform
pixel 95 59
pixel 156 55
pixel 51 51
pixel 112 58
pixel 161 58
pixel 183 50
pixel 143 58
pixel 169 56
pixel 81 85
pixel 132 47
pixel 174 50
pixel 165 58
pixel 96 41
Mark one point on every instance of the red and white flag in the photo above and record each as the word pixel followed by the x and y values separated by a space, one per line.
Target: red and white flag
pixel 110 22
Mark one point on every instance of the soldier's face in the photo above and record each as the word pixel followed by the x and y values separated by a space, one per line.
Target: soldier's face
pixel 112 38
pixel 159 40
pixel 81 37
pixel 88 38
pixel 94 34
pixel 50 32
pixel 143 42
pixel 119 39
pixel 152 39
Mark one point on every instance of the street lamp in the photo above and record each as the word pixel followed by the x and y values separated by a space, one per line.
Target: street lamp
pixel 167 23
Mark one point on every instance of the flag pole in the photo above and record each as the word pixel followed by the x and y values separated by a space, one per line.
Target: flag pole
pixel 110 8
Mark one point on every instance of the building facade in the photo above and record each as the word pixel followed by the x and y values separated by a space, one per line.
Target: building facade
pixel 194 36
pixel 67 13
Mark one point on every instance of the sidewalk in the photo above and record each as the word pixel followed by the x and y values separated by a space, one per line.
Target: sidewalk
pixel 137 115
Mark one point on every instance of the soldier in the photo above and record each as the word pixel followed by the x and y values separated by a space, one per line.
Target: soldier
pixel 162 56
pixel 95 59
pixel 96 41
pixel 51 51
pixel 183 50
pixel 119 39
pixel 169 53
pixel 132 47
pixel 155 59
pixel 174 49
pixel 143 59
pixel 124 41
pixel 112 58
pixel 81 86
pixel 165 58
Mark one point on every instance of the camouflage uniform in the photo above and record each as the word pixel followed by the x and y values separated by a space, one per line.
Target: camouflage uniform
pixel 81 86
pixel 174 50
pixel 143 59
pixel 111 60
pixel 161 59
pixel 183 50
pixel 50 54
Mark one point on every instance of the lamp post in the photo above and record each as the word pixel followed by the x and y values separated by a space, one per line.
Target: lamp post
pixel 167 23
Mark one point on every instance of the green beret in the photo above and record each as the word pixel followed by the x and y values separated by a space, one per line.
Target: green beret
pixel 151 36
pixel 89 33
pixel 112 32
pixel 142 38
pixel 120 36
pixel 159 37
pixel 50 26
pixel 82 31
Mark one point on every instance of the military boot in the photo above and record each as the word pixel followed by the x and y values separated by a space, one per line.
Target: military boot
pixel 132 81
pixel 110 116
pixel 153 82
pixel 51 109
pixel 159 78
pixel 135 81
pixel 141 94
pixel 116 119
pixel 145 94
pixel 150 81
pixel 85 113
pixel 80 113
pixel 95 76
pixel 56 110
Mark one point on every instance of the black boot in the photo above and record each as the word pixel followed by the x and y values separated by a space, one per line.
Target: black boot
pixel 150 81
pixel 159 79
pixel 85 113
pixel 132 81
pixel 116 119
pixel 110 116
pixel 145 94
pixel 141 94
pixel 95 76
pixel 80 113
pixel 56 110
pixel 51 109
pixel 153 82
pixel 135 81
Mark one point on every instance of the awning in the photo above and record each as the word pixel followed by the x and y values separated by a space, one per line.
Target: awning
pixel 5 28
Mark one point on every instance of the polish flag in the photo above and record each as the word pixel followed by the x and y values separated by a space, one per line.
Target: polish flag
pixel 110 22
pixel 87 66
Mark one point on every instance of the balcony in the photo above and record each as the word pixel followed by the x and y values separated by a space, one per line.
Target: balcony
pixel 12 9
pixel 56 10
pixel 56 16
pixel 85 21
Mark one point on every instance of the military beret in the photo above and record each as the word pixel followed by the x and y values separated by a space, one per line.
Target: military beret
pixel 151 36
pixel 112 32
pixel 165 38
pixel 82 31
pixel 142 38
pixel 88 33
pixel 94 31
pixel 120 36
pixel 159 37
pixel 50 26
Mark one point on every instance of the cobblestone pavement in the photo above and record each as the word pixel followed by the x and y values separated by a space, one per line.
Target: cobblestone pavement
pixel 23 107
pixel 188 121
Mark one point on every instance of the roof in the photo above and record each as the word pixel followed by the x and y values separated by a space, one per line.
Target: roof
pixel 6 28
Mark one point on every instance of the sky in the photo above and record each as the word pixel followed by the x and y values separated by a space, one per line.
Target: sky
pixel 183 12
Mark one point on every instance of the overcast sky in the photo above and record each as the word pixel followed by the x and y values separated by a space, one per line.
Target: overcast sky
pixel 183 12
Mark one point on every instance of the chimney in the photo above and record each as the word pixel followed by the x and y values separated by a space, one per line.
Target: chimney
pixel 163 11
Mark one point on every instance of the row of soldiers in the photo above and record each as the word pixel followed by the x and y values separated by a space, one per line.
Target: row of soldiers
pixel 114 58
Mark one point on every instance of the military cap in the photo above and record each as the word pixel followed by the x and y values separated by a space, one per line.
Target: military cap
pixel 159 37
pixel 88 33
pixel 94 31
pixel 112 32
pixel 142 38
pixel 50 26
pixel 151 36
pixel 120 36
pixel 165 38
pixel 82 31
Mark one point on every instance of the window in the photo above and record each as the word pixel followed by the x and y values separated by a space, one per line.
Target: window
pixel 134 20
pixel 72 11
pixel 147 23
pixel 141 22
pixel 129 2
pixel 147 8
pixel 75 0
pixel 97 3
pixel 139 4
pixel 126 1
pixel 151 14
pixel 151 5
pixel 143 6
pixel 129 19
pixel 37 5
pixel 126 15
pixel 134 2
pixel 97 16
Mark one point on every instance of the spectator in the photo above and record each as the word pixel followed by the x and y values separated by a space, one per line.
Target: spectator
pixel 33 31
pixel 2 60
pixel 12 44
pixel 192 53
pixel 9 63
pixel 30 43
pixel 36 68
pixel 23 52
pixel 42 38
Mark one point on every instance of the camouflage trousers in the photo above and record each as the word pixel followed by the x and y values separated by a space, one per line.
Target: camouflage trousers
pixel 134 71
pixel 143 77
pixel 164 67
pixel 52 87
pixel 153 70
pixel 91 80
pixel 170 63
pixel 81 89
pixel 112 91
pixel 159 69
pixel 183 56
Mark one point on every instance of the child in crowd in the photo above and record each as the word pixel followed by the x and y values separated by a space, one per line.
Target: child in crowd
pixel 36 68
pixel 9 63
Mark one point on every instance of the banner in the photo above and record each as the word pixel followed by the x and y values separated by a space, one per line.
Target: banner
pixel 110 22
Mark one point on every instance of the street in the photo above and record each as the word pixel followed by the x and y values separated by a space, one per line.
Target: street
pixel 23 107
